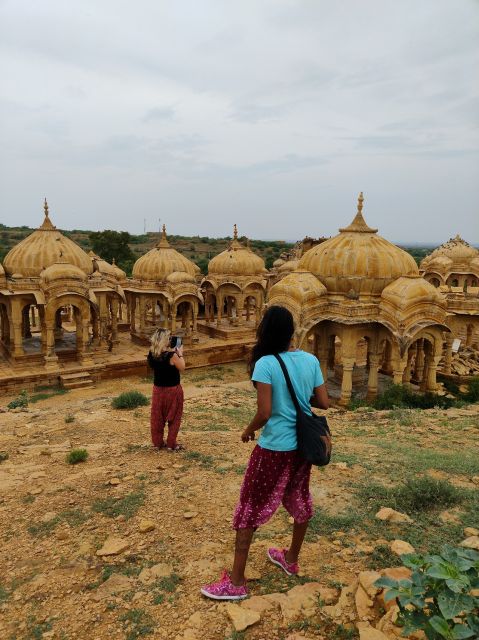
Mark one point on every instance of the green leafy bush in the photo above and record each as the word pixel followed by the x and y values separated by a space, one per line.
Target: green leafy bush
pixel 3 456
pixel 438 598
pixel 472 394
pixel 20 401
pixel 413 495
pixel 130 400
pixel 69 418
pixel 77 455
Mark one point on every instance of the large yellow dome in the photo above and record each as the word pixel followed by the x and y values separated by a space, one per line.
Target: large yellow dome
pixel 162 261
pixel 357 261
pixel 236 260
pixel 42 248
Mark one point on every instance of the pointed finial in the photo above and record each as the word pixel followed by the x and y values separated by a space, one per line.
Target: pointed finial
pixel 235 232
pixel 358 225
pixel 113 262
pixel 47 223
pixel 163 239
pixel 360 202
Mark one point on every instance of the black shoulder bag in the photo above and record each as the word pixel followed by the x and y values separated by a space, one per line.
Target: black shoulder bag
pixel 313 434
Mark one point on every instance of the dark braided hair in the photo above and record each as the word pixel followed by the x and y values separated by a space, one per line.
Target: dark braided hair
pixel 273 335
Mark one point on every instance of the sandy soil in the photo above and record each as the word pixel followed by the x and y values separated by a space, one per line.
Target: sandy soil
pixel 55 517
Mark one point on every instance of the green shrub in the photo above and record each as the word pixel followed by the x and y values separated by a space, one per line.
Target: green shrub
pixel 77 455
pixel 414 495
pixel 69 418
pixel 437 598
pixel 3 456
pixel 130 400
pixel 398 395
pixel 424 494
pixel 451 386
pixel 20 401
pixel 472 394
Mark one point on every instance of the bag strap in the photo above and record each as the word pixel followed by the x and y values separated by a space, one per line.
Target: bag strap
pixel 289 384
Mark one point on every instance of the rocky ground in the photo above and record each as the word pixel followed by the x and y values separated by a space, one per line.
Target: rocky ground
pixel 118 546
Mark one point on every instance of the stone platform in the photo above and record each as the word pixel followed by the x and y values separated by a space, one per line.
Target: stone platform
pixel 127 358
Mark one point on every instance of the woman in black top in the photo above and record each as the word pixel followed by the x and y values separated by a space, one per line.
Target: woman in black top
pixel 167 398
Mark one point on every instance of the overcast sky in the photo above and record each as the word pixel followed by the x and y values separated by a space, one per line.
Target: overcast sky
pixel 270 113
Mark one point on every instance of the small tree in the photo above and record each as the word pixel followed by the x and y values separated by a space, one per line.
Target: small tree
pixel 112 244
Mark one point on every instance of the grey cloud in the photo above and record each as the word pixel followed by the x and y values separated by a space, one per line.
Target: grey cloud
pixel 159 113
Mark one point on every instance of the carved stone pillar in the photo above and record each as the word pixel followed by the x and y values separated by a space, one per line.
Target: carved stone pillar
pixel 347 381
pixel 132 313
pixel 419 370
pixel 142 314
pixel 114 320
pixel 51 358
pixel 374 361
pixel 431 382
pixel 17 339
pixel 406 377
pixel 448 353
pixel 398 371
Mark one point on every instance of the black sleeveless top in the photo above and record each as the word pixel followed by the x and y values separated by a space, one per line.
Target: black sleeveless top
pixel 166 374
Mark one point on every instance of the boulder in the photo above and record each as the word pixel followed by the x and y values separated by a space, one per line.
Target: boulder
pixel 113 546
pixel 242 618
pixel 150 574
pixel 367 580
pixel 401 547
pixel 366 632
pixel 390 515
pixel 471 543
pixel 116 583
pixel 146 525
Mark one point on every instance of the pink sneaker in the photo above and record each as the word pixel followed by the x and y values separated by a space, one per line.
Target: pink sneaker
pixel 277 557
pixel 224 589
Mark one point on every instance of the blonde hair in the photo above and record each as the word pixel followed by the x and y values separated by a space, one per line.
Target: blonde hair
pixel 160 341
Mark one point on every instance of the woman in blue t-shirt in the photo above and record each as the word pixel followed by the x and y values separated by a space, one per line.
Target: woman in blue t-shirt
pixel 276 473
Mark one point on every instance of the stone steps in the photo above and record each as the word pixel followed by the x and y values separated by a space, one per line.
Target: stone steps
pixel 81 380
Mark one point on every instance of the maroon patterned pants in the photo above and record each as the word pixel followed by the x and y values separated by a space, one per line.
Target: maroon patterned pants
pixel 166 407
pixel 272 478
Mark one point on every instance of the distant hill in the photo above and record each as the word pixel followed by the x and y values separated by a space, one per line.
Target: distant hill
pixel 198 249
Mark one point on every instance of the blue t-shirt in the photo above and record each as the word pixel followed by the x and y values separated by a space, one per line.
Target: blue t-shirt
pixel 279 433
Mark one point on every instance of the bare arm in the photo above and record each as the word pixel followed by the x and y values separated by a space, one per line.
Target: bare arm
pixel 320 399
pixel 178 360
pixel 264 397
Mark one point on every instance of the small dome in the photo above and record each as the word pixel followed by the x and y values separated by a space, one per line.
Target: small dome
pixel 300 285
pixel 278 263
pixel 162 261
pixel 41 249
pixel 62 271
pixel 236 260
pixel 358 260
pixel 288 266
pixel 406 292
pixel 180 276
pixel 106 268
pixel 119 274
